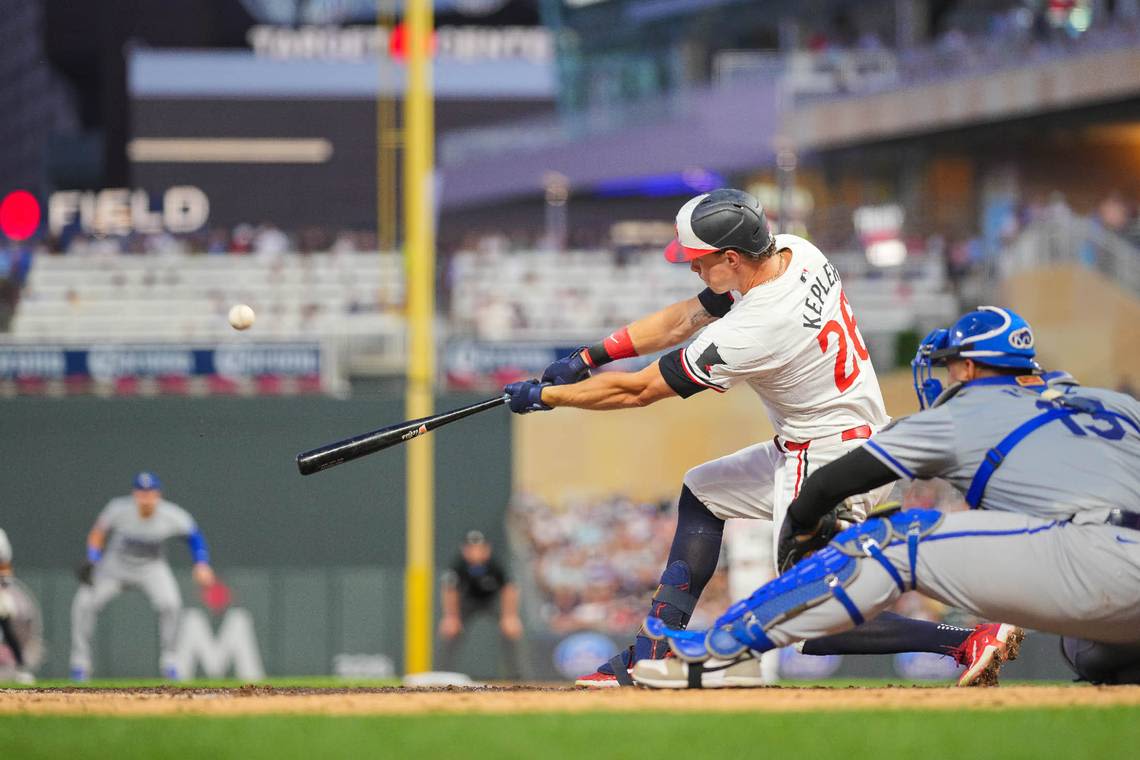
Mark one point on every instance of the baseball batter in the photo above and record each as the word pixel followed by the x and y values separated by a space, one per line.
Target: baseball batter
pixel 793 339
pixel 133 557
pixel 1052 472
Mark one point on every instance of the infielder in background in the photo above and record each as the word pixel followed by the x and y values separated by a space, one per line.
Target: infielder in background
pixel 1052 474
pixel 7 610
pixel 133 558
pixel 793 339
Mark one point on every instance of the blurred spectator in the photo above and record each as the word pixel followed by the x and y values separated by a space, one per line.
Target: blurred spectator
pixel 470 588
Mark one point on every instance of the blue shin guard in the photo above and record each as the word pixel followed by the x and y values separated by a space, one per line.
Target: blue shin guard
pixel 814 580
pixel 820 577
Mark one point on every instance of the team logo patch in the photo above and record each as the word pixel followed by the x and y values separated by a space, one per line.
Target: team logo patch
pixel 1030 380
pixel 709 358
pixel 1021 338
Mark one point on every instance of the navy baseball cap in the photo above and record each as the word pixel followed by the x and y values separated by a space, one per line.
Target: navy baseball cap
pixel 147 481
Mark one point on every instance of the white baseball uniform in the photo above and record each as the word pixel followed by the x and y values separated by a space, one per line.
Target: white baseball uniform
pixel 133 558
pixel 795 342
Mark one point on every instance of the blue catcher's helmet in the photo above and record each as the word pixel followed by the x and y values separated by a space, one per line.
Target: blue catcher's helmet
pixel 991 336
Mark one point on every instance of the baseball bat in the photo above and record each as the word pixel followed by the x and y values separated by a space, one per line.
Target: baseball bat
pixel 332 454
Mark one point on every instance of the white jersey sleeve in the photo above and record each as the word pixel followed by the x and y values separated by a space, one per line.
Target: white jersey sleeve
pixel 919 446
pixel 5 548
pixel 721 356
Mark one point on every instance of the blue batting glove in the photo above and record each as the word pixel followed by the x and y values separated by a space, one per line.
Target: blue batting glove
pixel 567 370
pixel 526 396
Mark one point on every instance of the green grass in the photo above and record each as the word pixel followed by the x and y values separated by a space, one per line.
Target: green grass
pixel 1006 734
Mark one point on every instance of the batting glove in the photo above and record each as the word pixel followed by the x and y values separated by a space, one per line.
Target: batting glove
pixel 526 396
pixel 567 370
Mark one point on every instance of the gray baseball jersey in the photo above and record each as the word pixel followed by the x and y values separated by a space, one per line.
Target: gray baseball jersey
pixel 133 558
pixel 136 540
pixel 1078 468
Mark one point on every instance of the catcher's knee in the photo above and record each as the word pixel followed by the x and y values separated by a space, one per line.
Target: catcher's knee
pixel 907 528
pixel 822 576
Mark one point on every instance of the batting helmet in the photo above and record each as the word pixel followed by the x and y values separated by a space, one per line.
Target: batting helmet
pixel 991 336
pixel 718 221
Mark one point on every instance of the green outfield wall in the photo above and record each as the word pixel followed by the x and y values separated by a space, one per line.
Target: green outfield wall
pixel 317 561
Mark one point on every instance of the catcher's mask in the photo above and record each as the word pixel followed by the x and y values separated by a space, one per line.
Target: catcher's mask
pixel 991 336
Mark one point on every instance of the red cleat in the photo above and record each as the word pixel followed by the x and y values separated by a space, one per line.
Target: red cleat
pixel 984 651
pixel 597 680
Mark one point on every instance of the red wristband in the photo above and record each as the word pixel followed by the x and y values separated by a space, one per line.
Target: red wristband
pixel 617 345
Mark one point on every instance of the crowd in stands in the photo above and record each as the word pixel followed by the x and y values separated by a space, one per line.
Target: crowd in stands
pixel 265 239
pixel 975 39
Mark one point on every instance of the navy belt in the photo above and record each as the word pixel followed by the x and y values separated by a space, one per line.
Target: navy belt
pixel 1124 518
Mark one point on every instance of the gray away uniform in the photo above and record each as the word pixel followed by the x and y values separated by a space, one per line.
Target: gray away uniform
pixel 133 558
pixel 1040 551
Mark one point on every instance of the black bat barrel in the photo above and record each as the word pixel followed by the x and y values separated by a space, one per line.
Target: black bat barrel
pixel 332 454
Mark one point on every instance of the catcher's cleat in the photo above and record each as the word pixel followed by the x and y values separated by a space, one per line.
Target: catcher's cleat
pixel 984 652
pixel 674 673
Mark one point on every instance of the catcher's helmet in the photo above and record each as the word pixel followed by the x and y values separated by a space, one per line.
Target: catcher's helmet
pixel 717 221
pixel 990 335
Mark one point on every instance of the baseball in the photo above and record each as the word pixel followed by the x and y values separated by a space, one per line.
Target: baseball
pixel 241 316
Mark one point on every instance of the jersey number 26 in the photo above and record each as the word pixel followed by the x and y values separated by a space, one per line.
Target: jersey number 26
pixel 848 331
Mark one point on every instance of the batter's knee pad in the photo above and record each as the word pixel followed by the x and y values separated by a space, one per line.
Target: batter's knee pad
pixel 872 537
pixel 820 577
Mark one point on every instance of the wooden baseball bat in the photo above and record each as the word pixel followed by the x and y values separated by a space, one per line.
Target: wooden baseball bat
pixel 332 454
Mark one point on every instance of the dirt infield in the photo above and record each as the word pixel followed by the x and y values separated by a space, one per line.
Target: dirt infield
pixel 264 700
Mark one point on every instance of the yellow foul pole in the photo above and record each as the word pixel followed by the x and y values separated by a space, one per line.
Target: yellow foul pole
pixel 419 254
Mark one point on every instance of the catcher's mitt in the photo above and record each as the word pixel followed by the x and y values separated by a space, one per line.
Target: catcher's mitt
pixel 85 572
pixel 797 542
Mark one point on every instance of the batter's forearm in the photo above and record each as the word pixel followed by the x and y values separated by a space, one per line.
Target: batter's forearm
pixel 609 390
pixel 668 327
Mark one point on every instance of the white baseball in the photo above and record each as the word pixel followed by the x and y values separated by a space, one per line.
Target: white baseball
pixel 241 316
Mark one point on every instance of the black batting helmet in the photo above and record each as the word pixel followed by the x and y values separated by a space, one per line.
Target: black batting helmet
pixel 717 221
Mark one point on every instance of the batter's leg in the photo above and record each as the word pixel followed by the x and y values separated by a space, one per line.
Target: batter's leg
pixel 85 607
pixel 157 581
pixel 737 485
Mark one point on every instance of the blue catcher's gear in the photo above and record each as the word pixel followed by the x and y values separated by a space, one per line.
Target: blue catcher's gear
pixel 991 336
pixel 820 577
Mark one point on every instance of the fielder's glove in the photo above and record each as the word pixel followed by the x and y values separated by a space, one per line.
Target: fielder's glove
pixel 85 573
pixel 798 541
pixel 526 396
pixel 567 370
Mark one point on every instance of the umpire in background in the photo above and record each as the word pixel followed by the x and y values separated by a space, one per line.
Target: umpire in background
pixel 470 588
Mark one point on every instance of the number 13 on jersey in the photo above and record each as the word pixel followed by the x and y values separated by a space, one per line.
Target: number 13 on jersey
pixel 846 333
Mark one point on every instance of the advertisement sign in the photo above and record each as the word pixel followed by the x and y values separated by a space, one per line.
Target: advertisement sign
pixel 271 367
